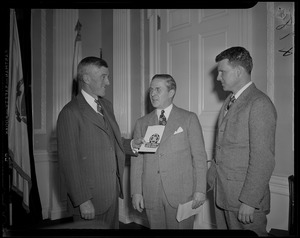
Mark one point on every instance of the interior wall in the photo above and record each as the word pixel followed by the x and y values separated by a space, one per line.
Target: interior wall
pixel 283 80
pixel 284 88
pixel 96 36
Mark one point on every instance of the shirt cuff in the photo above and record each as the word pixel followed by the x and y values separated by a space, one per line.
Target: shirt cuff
pixel 133 149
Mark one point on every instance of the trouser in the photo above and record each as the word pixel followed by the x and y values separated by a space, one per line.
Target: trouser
pixel 163 216
pixel 229 220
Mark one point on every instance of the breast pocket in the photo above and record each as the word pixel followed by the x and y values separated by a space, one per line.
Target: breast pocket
pixel 178 142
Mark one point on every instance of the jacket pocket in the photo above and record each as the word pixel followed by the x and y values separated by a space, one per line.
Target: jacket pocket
pixel 236 176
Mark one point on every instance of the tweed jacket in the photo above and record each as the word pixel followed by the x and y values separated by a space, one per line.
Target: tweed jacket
pixel 91 157
pixel 180 163
pixel 245 152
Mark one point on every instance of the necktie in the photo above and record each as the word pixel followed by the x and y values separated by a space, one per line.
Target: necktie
pixel 162 118
pixel 231 101
pixel 99 107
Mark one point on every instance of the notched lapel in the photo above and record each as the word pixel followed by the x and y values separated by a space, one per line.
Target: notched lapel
pixel 110 118
pixel 89 113
pixel 172 124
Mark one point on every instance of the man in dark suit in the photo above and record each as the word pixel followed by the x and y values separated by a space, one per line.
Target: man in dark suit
pixel 245 147
pixel 91 151
pixel 176 173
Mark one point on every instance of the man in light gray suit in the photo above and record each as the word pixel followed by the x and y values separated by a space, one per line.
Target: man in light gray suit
pixel 245 147
pixel 176 172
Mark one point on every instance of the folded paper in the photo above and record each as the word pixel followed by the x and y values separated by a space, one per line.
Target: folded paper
pixel 185 211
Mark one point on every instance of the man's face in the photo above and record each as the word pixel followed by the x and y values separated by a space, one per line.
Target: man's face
pixel 98 80
pixel 227 75
pixel 159 95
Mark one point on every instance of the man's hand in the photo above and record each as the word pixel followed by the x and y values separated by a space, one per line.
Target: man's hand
pixel 87 210
pixel 138 202
pixel 246 214
pixel 136 143
pixel 198 200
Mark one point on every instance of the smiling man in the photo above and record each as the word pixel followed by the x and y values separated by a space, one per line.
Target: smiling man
pixel 176 172
pixel 91 151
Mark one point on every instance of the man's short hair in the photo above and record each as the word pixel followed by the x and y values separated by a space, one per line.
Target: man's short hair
pixel 170 82
pixel 89 61
pixel 237 56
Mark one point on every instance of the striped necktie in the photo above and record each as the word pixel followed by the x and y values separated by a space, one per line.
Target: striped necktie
pixel 99 107
pixel 231 101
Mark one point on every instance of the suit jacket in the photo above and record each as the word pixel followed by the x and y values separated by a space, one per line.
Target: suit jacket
pixel 245 152
pixel 91 157
pixel 180 162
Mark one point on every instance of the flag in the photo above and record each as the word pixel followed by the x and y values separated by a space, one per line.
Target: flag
pixel 77 56
pixel 18 143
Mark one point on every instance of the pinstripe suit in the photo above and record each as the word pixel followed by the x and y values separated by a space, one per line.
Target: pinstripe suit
pixel 91 157
pixel 244 157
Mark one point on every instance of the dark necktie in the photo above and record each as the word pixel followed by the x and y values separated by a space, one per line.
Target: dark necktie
pixel 162 118
pixel 99 107
pixel 231 101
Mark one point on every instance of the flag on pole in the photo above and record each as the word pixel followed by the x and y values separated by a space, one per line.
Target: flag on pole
pixel 17 123
pixel 77 56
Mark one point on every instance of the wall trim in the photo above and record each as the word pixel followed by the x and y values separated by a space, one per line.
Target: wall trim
pixel 279 185
pixel 64 22
pixel 42 129
pixel 270 50
pixel 121 70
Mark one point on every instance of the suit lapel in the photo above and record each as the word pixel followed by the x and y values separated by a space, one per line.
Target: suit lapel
pixel 237 105
pixel 89 113
pixel 110 118
pixel 172 123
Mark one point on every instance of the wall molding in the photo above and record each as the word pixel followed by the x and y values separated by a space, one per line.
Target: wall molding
pixel 42 129
pixel 279 185
pixel 270 50
pixel 121 70
pixel 64 22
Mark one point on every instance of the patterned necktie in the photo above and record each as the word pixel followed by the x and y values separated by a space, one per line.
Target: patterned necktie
pixel 99 107
pixel 231 101
pixel 162 118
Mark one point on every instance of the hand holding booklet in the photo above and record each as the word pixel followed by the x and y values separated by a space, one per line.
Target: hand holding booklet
pixel 152 137
pixel 185 211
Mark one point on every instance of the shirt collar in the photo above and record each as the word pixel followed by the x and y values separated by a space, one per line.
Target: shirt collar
pixel 167 111
pixel 89 99
pixel 242 90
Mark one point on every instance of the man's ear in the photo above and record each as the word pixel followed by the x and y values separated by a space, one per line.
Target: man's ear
pixel 86 79
pixel 239 71
pixel 172 93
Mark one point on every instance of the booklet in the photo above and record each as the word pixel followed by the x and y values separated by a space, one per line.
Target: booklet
pixel 152 137
pixel 184 211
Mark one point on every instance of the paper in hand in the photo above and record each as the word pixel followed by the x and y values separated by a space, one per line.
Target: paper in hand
pixel 185 211
pixel 152 137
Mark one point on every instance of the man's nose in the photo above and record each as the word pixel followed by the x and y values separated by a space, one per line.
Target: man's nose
pixel 107 81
